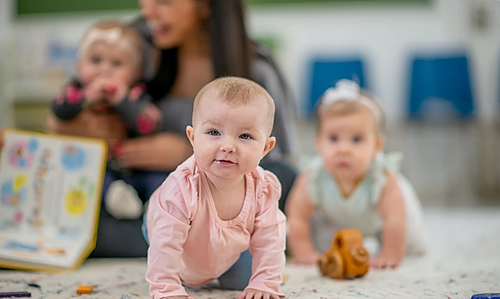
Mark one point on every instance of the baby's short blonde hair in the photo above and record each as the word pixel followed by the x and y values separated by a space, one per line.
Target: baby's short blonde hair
pixel 357 101
pixel 112 31
pixel 237 91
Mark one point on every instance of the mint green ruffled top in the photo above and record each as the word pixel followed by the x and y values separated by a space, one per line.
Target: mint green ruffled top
pixel 359 209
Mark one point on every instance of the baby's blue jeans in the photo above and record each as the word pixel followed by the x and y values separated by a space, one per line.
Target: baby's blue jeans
pixel 236 278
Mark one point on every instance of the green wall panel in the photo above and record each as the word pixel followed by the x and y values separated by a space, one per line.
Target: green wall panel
pixel 27 7
pixel 342 1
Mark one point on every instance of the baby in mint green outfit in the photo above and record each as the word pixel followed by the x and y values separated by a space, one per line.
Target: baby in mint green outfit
pixel 353 184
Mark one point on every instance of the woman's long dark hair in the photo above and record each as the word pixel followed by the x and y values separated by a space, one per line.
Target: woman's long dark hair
pixel 232 49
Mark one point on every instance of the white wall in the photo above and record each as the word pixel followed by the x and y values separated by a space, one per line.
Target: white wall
pixel 385 35
pixel 485 49
pixel 37 77
pixel 441 162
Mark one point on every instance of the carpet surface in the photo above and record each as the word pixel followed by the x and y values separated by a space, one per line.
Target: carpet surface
pixel 464 259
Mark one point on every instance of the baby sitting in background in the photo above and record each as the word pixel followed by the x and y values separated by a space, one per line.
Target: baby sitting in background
pixel 353 184
pixel 108 74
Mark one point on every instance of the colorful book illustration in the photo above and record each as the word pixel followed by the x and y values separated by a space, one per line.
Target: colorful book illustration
pixel 50 194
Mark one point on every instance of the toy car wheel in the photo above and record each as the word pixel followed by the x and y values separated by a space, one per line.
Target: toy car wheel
pixel 331 264
pixel 360 255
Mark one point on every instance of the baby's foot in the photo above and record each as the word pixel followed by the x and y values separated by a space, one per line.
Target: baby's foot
pixel 122 201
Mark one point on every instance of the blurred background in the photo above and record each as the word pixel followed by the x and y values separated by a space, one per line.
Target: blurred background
pixel 435 65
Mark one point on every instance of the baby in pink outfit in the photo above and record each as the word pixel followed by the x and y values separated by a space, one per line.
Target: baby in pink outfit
pixel 216 216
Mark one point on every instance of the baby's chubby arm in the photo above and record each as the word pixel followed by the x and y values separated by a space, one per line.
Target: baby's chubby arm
pixel 391 210
pixel 299 211
pixel 267 244
pixel 168 226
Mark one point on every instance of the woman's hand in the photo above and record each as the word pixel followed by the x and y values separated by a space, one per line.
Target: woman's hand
pixel 257 294
pixel 109 127
pixel 163 151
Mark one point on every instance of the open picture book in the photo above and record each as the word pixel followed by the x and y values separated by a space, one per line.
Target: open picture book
pixel 50 194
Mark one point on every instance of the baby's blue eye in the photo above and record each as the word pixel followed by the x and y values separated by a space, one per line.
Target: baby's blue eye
pixel 334 138
pixel 357 139
pixel 95 60
pixel 116 63
pixel 245 136
pixel 213 133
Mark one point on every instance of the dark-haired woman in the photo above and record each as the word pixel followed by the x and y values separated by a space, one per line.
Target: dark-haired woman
pixel 190 43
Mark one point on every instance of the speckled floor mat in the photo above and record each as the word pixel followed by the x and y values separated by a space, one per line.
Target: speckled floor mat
pixel 464 260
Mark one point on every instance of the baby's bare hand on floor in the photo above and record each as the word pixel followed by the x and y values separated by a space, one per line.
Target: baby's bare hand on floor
pixel 385 261
pixel 257 294
pixel 306 259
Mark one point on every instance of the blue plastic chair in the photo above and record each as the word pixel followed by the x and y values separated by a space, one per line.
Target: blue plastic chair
pixel 325 72
pixel 440 78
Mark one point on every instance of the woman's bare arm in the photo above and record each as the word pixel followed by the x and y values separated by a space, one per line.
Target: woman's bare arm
pixel 162 151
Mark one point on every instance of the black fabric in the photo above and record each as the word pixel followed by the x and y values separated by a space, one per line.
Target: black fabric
pixel 119 238
pixel 123 238
pixel 159 86
pixel 286 175
pixel 130 110
pixel 64 110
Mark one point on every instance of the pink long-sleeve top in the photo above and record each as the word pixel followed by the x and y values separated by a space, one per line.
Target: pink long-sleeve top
pixel 191 245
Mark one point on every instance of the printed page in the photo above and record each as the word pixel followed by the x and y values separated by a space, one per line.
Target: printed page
pixel 49 195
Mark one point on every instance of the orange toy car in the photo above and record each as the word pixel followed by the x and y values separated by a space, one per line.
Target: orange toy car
pixel 347 258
